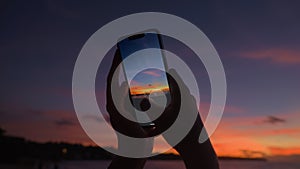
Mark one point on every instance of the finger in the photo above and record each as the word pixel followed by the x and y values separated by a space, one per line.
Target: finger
pixel 178 80
pixel 174 91
pixel 183 89
pixel 115 63
pixel 112 84
pixel 119 117
pixel 124 99
pixel 173 83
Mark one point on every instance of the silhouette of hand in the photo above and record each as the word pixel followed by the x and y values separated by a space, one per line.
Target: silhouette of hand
pixel 122 125
pixel 118 121
pixel 194 154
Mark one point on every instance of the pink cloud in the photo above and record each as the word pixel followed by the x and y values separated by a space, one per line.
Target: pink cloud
pixel 229 109
pixel 282 56
pixel 152 73
pixel 48 130
pixel 239 136
pixel 135 83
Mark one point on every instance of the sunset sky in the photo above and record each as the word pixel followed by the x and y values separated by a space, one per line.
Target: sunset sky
pixel 258 43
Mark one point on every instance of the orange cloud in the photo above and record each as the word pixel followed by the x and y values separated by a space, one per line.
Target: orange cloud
pixel 135 90
pixel 290 131
pixel 284 150
pixel 244 137
pixel 239 147
pixel 283 56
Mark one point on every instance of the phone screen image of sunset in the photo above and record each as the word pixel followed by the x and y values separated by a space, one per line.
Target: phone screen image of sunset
pixel 144 72
pixel 149 81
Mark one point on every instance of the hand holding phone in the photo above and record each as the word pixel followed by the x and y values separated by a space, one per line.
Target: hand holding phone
pixel 189 148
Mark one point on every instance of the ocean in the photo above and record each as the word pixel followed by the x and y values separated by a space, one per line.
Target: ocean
pixel 176 164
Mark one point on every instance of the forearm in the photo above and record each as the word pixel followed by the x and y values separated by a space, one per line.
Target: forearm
pixel 128 147
pixel 197 154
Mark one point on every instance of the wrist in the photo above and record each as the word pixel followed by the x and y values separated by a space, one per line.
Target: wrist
pixel 195 154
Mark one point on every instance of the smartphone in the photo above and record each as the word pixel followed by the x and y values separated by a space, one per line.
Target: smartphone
pixel 150 80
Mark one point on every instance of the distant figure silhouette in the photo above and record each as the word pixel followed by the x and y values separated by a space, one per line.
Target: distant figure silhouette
pixel 145 104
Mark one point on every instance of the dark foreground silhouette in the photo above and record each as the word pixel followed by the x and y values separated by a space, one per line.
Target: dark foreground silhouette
pixel 19 150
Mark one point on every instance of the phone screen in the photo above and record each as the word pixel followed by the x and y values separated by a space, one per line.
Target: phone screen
pixel 151 80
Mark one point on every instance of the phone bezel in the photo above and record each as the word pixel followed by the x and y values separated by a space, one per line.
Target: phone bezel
pixel 154 31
